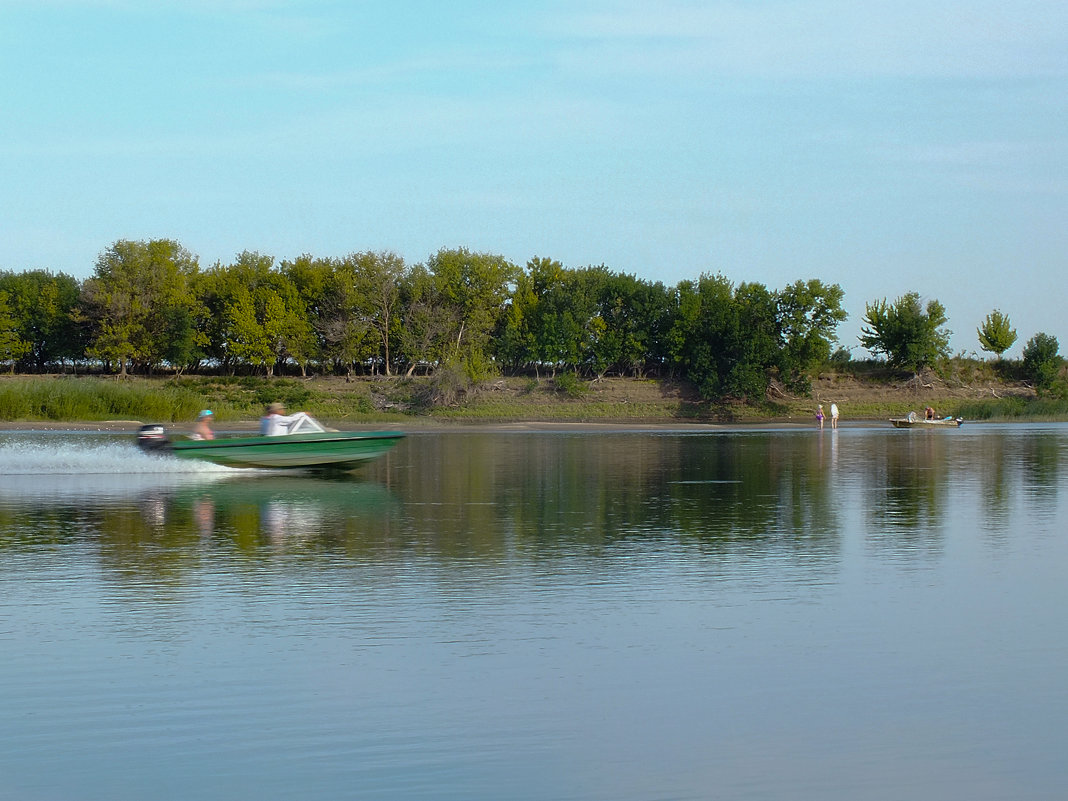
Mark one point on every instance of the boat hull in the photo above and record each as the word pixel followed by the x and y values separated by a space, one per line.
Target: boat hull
pixel 331 449
pixel 904 422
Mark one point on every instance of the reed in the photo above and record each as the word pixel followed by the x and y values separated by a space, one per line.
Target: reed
pixel 93 399
pixel 1039 409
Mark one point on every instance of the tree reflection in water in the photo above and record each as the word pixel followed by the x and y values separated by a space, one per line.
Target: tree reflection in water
pixel 783 495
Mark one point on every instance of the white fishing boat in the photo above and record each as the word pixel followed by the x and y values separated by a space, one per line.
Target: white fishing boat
pixel 913 420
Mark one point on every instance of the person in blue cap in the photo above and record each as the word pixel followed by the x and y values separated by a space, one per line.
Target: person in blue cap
pixel 202 427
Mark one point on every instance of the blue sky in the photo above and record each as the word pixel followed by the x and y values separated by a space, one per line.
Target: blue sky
pixel 888 146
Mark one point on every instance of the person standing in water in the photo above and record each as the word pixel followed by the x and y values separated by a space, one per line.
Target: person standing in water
pixel 834 415
pixel 819 415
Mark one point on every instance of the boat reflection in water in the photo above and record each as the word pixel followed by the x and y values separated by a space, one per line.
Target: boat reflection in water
pixel 253 508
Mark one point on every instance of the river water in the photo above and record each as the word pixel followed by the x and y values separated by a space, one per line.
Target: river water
pixel 860 614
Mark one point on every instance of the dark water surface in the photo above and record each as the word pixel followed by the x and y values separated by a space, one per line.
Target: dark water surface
pixel 861 614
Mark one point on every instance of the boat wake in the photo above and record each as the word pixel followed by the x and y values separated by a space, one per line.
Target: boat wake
pixel 29 457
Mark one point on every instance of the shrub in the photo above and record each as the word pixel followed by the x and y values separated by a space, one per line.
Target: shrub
pixel 570 384
pixel 1041 361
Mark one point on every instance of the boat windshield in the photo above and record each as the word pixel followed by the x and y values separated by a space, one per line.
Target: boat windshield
pixel 304 424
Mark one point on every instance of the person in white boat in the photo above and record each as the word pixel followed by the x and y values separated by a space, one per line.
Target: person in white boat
pixel 202 427
pixel 275 422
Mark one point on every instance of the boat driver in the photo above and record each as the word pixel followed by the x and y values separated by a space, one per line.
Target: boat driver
pixel 275 422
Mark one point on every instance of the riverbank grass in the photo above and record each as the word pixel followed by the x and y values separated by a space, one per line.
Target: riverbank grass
pixel 91 399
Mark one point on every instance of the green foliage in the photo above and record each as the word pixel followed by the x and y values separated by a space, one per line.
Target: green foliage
pixel 381 281
pixel 254 314
pixel 840 357
pixel 478 367
pixel 462 314
pixel 570 384
pixel 1041 360
pixel 94 399
pixel 809 313
pixel 723 340
pixel 44 311
pixel 910 336
pixel 627 332
pixel 552 320
pixel 446 387
pixel 12 347
pixel 476 288
pixel 353 306
pixel 996 334
pixel 292 393
pixel 1046 407
pixel 139 303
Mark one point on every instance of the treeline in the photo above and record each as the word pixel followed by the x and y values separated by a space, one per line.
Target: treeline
pixel 149 306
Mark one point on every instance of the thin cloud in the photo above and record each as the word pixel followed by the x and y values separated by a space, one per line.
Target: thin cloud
pixel 821 39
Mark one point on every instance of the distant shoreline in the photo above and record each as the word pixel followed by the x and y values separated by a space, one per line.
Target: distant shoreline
pixel 424 426
pixel 53 403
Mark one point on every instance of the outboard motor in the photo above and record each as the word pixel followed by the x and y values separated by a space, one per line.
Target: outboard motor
pixel 153 439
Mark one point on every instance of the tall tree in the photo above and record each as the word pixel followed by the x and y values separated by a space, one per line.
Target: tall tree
pixel 910 336
pixel 12 346
pixel 272 316
pixel 140 302
pixel 996 334
pixel 477 286
pixel 44 307
pixel 255 315
pixel 724 339
pixel 247 337
pixel 379 280
pixel 429 322
pixel 755 345
pixel 809 313
pixel 634 313
pixel 704 333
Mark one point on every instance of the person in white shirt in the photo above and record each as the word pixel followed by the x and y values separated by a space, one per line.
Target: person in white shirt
pixel 276 423
pixel 834 415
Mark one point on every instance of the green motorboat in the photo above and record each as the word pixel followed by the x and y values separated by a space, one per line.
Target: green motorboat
pixel 320 449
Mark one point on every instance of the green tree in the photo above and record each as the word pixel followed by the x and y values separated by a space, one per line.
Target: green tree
pixel 910 336
pixel 701 331
pixel 313 279
pixel 553 319
pixel 633 314
pixel 1041 360
pixel 477 287
pixel 44 308
pixel 339 309
pixel 996 334
pixel 755 348
pixel 255 315
pixel 809 313
pixel 247 337
pixel 725 340
pixel 12 347
pixel 516 346
pixel 379 279
pixel 429 322
pixel 140 303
